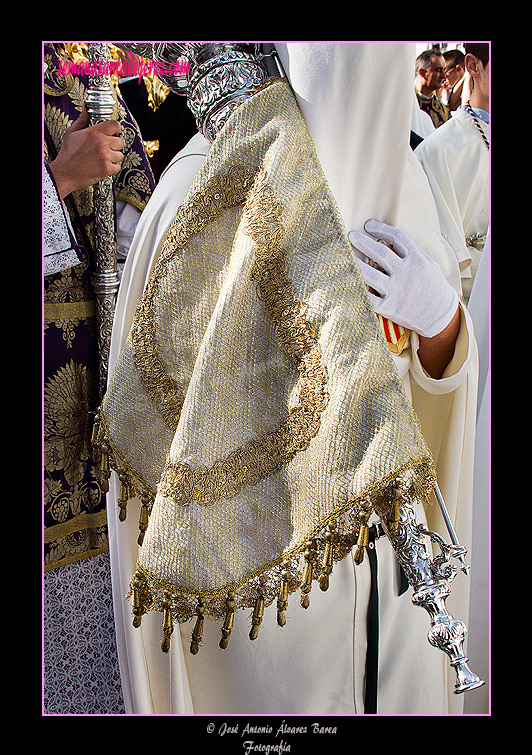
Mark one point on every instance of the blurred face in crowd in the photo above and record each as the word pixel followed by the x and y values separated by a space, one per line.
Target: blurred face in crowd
pixel 453 73
pixel 435 73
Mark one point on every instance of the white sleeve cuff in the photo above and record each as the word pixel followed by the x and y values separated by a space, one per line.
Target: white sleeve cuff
pixel 457 369
pixel 60 250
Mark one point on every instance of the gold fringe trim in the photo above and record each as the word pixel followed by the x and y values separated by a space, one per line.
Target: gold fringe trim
pixel 297 570
pixel 131 484
pixel 332 538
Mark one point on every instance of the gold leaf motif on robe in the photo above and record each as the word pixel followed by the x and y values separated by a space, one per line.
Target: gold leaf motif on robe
pixel 68 397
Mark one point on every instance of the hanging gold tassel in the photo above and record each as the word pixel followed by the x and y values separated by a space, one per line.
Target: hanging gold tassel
pixel 395 508
pixel 258 611
pixel 362 543
pixel 229 619
pixel 282 603
pixel 105 467
pixel 282 599
pixel 363 533
pixel 95 437
pixel 168 624
pixel 327 561
pixel 306 580
pixel 144 516
pixel 123 497
pixel 197 634
pixel 137 602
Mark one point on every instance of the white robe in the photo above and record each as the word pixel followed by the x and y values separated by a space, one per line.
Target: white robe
pixel 315 665
pixel 456 161
pixel 479 623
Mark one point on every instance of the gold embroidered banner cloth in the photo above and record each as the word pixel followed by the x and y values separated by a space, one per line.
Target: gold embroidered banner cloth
pixel 255 407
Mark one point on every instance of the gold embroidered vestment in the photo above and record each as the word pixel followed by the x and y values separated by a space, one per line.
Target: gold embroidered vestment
pixel 255 410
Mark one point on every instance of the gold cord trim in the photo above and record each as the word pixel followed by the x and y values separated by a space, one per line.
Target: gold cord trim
pixel 309 561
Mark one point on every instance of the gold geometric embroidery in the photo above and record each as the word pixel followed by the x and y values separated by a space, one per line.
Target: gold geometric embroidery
pixel 219 194
pixel 297 338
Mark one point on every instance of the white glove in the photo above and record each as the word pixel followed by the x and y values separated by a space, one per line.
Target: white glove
pixel 410 288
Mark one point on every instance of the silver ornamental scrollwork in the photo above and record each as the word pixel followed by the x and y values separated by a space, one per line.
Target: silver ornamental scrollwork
pixel 219 85
pixel 430 578
pixel 477 240
pixel 100 104
pixel 219 78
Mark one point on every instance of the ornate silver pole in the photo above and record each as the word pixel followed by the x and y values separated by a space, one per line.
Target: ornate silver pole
pixel 430 578
pixel 100 105
pixel 458 550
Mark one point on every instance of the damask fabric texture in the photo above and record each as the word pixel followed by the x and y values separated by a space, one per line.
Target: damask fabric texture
pixel 74 503
pixel 255 402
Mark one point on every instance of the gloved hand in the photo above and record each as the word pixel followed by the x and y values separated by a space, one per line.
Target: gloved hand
pixel 410 289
